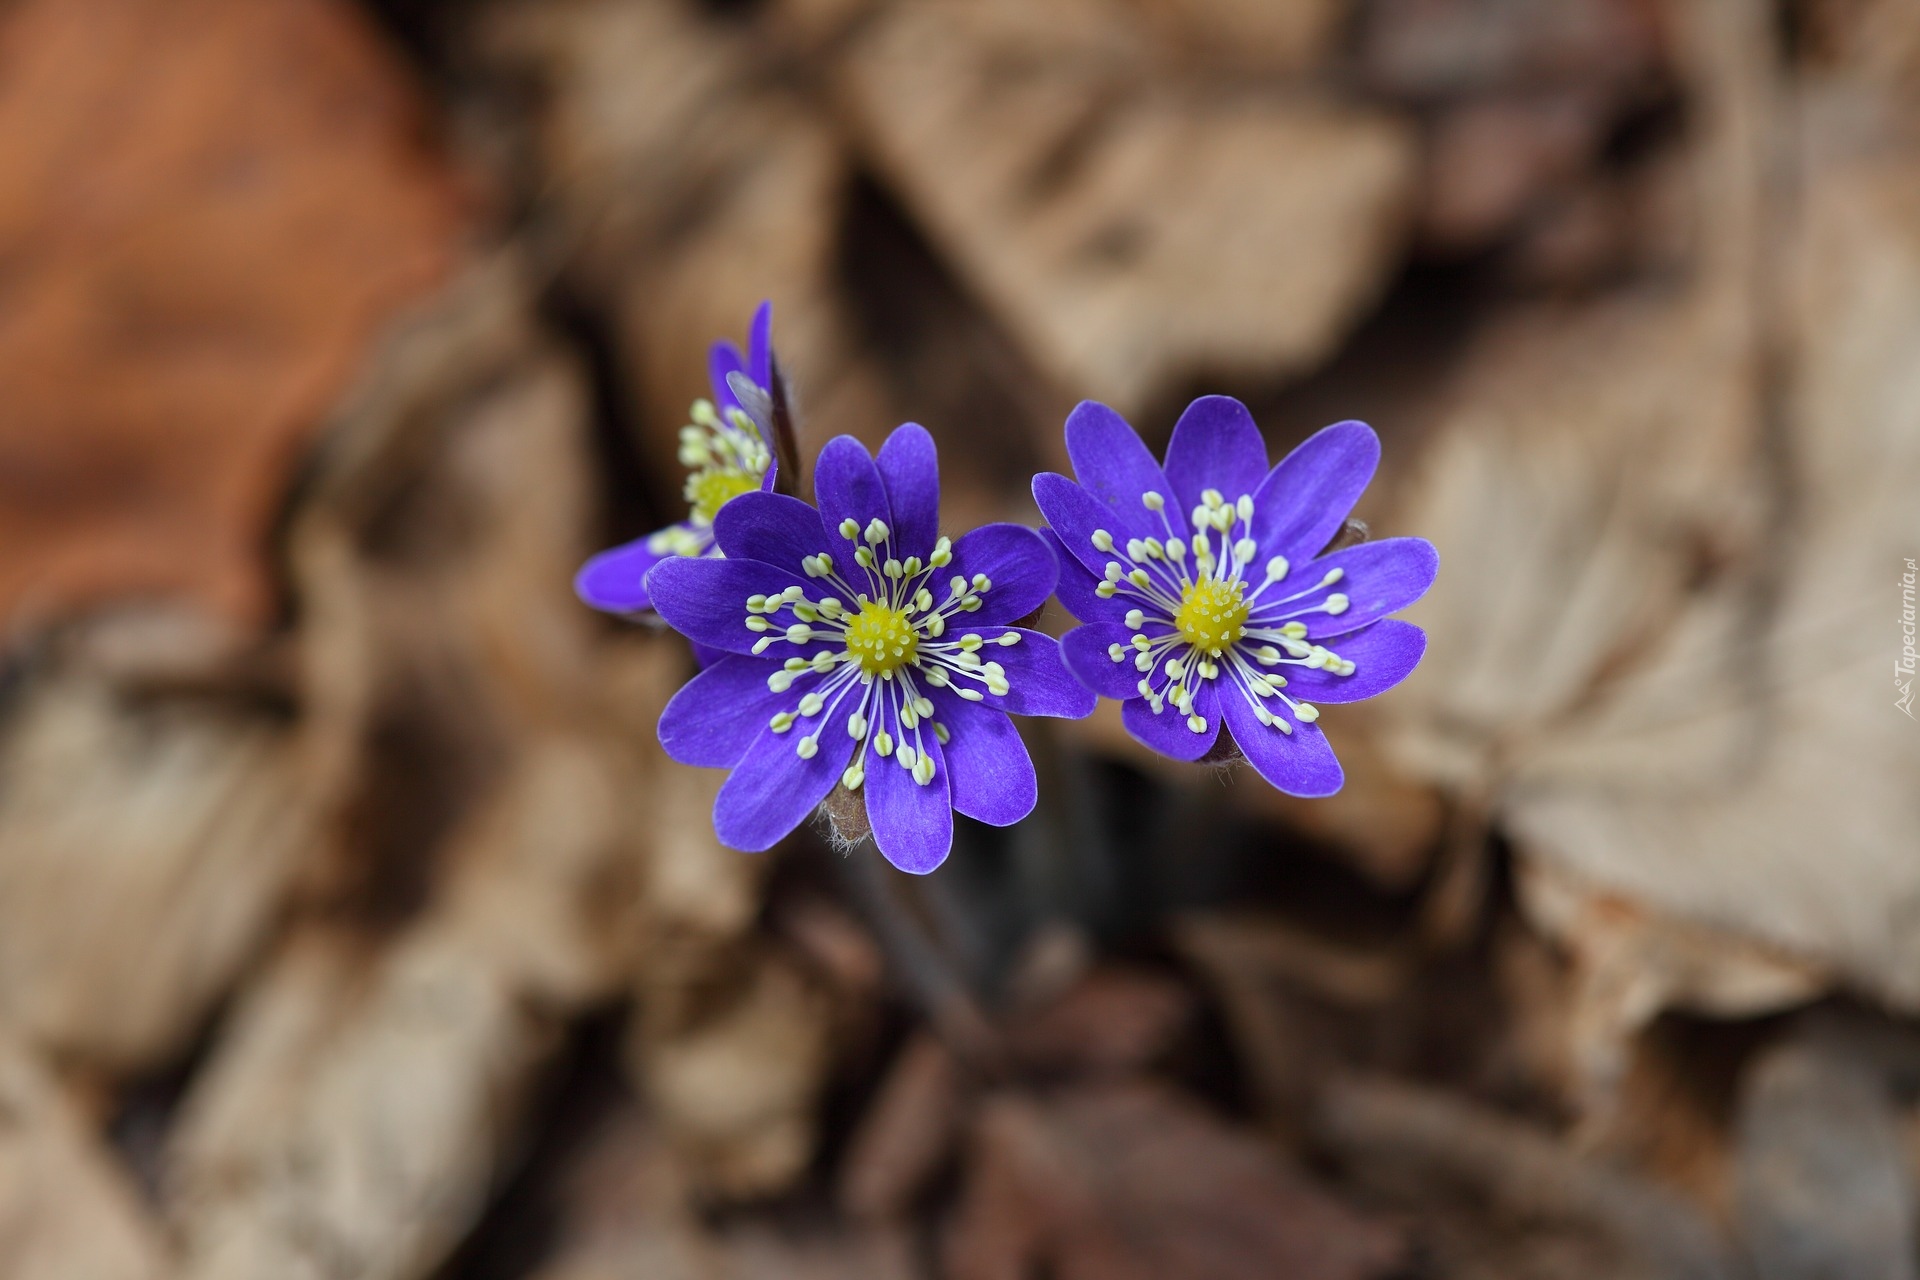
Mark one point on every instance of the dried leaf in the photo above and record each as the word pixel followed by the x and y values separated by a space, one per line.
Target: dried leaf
pixel 356 1110
pixel 1120 1181
pixel 1825 1188
pixel 67 1211
pixel 1129 229
pixel 1628 963
pixel 352 1118
pixel 1419 1147
pixel 691 185
pixel 1113 1021
pixel 210 208
pixel 146 846
pixel 1620 662
pixel 735 1073
pixel 1686 784
pixel 1250 34
pixel 625 1216
pixel 906 1133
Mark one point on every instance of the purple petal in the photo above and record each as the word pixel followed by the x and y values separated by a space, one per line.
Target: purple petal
pixel 616 579
pixel 1382 655
pixel 1300 763
pixel 1077 587
pixel 990 773
pixel 1112 461
pixel 705 655
pixel 1039 683
pixel 771 528
pixel 912 824
pixel 760 345
pixel 705 600
pixel 1378 578
pixel 1215 445
pixel 773 790
pixel 1304 501
pixel 1085 650
pixel 724 358
pixel 719 713
pixel 848 487
pixel 754 401
pixel 1167 733
pixel 1076 514
pixel 1020 566
pixel 910 469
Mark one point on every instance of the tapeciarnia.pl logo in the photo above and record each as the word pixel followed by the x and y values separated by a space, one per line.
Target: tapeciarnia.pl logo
pixel 1903 666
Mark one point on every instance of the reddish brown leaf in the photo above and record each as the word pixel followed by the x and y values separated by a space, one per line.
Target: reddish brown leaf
pixel 206 207
pixel 906 1134
pixel 1113 1020
pixel 1127 1181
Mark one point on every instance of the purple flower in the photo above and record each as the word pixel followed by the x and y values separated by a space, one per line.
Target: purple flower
pixel 865 651
pixel 1205 593
pixel 725 448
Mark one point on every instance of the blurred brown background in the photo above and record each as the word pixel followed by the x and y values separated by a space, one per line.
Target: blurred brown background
pixel 353 927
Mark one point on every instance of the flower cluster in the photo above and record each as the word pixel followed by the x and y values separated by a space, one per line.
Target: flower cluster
pixel 851 650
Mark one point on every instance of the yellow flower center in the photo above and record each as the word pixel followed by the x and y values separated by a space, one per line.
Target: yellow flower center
pixel 1211 614
pixel 711 488
pixel 881 639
